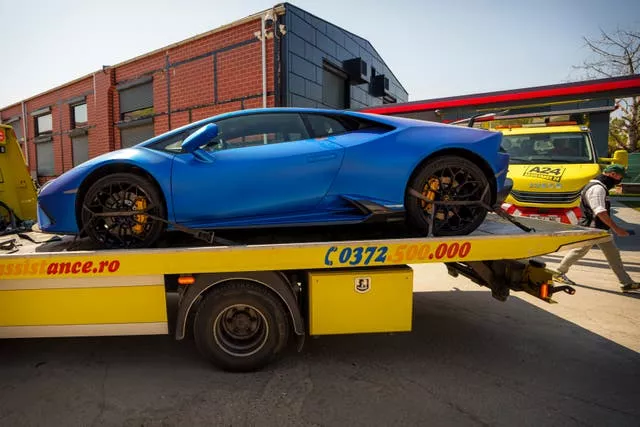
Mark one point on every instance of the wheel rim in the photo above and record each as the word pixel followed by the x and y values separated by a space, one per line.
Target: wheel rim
pixel 241 330
pixel 121 230
pixel 452 184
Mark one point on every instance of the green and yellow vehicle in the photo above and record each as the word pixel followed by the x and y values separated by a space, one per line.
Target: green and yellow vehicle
pixel 550 164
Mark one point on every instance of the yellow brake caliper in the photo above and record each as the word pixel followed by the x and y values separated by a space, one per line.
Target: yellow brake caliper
pixel 429 191
pixel 140 205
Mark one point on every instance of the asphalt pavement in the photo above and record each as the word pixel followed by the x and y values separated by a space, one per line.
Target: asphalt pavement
pixel 470 360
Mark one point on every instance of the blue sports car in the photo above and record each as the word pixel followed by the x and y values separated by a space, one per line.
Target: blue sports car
pixel 282 167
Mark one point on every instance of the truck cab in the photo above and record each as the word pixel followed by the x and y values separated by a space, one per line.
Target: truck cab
pixel 550 164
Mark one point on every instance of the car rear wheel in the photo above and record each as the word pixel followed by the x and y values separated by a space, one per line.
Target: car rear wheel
pixel 448 178
pixel 123 194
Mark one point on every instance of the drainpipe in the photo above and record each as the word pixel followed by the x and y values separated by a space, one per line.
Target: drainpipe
pixel 264 63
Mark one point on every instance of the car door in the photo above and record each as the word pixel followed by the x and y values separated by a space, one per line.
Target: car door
pixel 262 164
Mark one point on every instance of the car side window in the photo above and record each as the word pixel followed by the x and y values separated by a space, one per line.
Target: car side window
pixel 258 129
pixel 322 125
pixel 174 143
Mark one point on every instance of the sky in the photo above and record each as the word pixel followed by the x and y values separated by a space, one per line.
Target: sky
pixel 435 48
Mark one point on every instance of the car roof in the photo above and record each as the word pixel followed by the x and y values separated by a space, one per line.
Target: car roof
pixel 383 119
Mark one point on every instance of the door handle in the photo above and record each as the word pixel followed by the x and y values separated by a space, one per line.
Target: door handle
pixel 312 158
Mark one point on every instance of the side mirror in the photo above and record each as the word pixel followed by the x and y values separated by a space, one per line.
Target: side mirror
pixel 199 138
pixel 620 157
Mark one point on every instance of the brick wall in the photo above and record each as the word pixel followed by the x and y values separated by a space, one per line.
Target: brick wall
pixel 58 103
pixel 197 78
pixel 217 73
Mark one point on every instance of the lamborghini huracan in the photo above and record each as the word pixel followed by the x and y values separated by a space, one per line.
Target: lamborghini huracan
pixel 282 167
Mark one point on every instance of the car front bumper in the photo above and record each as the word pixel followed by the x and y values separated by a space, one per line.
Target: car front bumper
pixel 56 213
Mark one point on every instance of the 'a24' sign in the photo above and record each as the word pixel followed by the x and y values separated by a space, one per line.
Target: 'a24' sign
pixel 544 172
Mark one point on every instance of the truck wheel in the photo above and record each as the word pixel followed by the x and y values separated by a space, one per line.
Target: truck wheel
pixel 241 326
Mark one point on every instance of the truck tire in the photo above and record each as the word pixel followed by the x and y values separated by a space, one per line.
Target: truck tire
pixel 241 326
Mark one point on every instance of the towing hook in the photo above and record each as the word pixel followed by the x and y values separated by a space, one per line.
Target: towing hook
pixel 566 288
pixel 547 290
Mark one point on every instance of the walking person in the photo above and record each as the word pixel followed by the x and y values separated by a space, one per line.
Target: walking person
pixel 596 212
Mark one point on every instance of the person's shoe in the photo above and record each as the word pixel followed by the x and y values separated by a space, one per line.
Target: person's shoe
pixel 562 278
pixel 630 287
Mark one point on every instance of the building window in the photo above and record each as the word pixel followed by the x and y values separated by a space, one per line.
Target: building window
pixel 44 124
pixel 17 128
pixel 335 92
pixel 136 111
pixel 44 154
pixel 80 147
pixel 132 135
pixel 136 100
pixel 79 115
pixel 16 124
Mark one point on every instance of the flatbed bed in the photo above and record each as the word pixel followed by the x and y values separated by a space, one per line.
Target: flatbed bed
pixel 243 300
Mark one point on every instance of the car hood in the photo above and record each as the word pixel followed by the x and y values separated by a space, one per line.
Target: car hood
pixel 122 154
pixel 71 179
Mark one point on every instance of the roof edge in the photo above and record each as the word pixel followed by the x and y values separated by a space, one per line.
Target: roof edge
pixel 355 35
pixel 559 89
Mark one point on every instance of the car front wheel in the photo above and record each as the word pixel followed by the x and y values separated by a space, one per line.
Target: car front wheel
pixel 110 217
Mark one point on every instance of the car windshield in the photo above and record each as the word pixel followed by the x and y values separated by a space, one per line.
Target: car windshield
pixel 549 148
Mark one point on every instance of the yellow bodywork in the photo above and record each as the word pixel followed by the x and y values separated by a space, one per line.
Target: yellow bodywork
pixel 122 292
pixel 16 187
pixel 83 306
pixel 556 178
pixel 548 178
pixel 352 301
pixel 308 256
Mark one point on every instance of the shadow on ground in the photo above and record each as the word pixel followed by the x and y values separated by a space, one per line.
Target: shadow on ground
pixel 470 360
pixel 629 243
pixel 589 261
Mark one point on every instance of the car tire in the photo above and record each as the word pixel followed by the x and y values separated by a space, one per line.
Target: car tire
pixel 468 184
pixel 228 315
pixel 144 189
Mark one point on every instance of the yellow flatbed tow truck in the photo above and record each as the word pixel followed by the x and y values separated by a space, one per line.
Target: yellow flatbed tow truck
pixel 242 303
